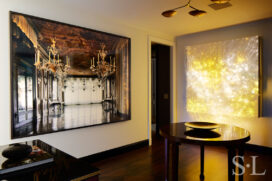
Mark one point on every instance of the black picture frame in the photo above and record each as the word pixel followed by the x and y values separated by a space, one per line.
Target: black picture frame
pixel 38 88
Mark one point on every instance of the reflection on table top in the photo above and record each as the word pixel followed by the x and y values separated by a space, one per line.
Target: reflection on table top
pixel 223 135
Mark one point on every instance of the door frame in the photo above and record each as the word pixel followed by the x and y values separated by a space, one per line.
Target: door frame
pixel 173 96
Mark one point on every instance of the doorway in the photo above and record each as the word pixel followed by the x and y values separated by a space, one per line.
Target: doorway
pixel 160 86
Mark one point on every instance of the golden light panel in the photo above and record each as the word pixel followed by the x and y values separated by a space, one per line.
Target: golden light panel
pixel 223 78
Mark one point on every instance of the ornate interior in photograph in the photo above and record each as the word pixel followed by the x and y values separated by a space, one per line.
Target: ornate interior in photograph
pixel 65 77
pixel 223 78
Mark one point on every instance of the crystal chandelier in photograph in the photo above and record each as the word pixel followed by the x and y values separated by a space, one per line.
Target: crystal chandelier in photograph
pixel 54 63
pixel 102 68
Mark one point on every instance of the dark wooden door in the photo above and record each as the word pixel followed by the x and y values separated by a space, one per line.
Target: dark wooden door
pixel 161 85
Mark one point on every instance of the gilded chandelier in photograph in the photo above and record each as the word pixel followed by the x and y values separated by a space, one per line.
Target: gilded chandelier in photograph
pixel 102 68
pixel 54 63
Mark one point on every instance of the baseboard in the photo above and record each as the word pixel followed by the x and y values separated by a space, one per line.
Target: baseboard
pixel 115 151
pixel 258 149
pixel 123 149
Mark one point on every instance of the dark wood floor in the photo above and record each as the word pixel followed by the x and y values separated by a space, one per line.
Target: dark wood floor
pixel 147 164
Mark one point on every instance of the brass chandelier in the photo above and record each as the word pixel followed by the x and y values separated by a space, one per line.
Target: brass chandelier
pixel 54 64
pixel 194 12
pixel 102 68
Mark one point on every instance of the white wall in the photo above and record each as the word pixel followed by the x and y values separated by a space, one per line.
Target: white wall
pixel 260 128
pixel 86 141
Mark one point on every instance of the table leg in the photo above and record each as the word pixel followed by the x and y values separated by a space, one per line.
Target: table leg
pixel 231 166
pixel 241 162
pixel 171 160
pixel 166 158
pixel 201 162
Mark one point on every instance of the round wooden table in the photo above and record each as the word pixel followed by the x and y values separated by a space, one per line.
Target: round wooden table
pixel 231 137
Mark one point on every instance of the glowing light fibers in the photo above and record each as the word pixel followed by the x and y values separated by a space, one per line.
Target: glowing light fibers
pixel 223 78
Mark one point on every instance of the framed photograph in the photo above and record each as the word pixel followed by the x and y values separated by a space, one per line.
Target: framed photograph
pixel 65 77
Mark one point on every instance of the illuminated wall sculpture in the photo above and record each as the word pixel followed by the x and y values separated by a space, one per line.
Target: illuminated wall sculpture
pixel 223 78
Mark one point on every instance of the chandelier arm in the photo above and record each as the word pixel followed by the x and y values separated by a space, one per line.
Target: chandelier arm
pixel 193 7
pixel 187 4
pixel 181 7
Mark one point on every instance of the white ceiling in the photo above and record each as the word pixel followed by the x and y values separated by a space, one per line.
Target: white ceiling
pixel 146 14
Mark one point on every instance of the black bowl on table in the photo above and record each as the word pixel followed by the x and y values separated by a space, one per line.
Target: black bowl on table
pixel 17 151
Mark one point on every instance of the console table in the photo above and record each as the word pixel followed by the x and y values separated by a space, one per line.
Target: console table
pixel 63 167
pixel 231 137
